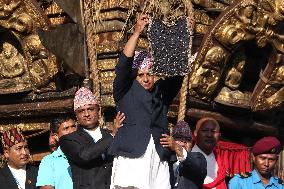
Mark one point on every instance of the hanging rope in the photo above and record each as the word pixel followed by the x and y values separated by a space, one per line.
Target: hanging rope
pixel 182 99
pixel 90 20
pixel 37 134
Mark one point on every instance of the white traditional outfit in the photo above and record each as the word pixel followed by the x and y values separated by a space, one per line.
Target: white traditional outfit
pixel 145 172
pixel 212 165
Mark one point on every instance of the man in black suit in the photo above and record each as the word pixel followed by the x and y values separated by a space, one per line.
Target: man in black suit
pixel 141 161
pixel 86 148
pixel 17 173
pixel 190 170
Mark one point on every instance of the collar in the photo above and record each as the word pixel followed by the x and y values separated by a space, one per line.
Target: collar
pixel 19 175
pixel 256 179
pixel 197 149
pixel 96 134
pixel 17 170
pixel 58 153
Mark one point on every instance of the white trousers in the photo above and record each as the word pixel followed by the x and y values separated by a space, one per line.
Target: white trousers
pixel 145 172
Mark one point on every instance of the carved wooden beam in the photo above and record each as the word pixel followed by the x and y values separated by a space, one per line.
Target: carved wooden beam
pixel 36 108
pixel 234 123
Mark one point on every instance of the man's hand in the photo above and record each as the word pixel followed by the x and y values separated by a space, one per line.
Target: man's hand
pixel 119 118
pixel 130 46
pixel 141 23
pixel 169 142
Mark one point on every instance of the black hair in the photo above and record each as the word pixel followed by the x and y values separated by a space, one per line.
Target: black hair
pixel 134 73
pixel 56 122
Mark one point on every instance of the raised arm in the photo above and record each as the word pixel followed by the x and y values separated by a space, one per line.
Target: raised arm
pixel 123 69
pixel 132 42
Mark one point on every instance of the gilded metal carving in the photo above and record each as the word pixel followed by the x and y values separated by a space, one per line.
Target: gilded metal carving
pixel 107 100
pixel 24 63
pixel 273 93
pixel 107 64
pixel 26 126
pixel 206 77
pixel 244 21
pixel 110 4
pixel 55 13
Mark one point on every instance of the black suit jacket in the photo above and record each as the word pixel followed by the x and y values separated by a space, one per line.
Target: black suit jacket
pixel 7 180
pixel 90 164
pixel 145 111
pixel 192 171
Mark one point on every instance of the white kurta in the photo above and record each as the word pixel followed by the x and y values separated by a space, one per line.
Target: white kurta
pixel 145 172
pixel 212 166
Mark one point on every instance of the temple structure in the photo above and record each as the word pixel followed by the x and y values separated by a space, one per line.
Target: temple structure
pixel 50 47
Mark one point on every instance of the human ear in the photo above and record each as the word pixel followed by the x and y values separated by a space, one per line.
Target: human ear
pixel 56 137
pixel 195 133
pixel 6 153
pixel 253 158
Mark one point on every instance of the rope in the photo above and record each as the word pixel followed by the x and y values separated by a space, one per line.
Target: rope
pixel 185 84
pixel 182 99
pixel 36 134
pixel 91 20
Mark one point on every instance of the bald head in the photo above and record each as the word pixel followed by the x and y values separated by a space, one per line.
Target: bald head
pixel 207 121
pixel 207 133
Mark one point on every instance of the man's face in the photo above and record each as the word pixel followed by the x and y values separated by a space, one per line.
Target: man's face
pixel 17 155
pixel 66 127
pixel 145 78
pixel 88 116
pixel 265 163
pixel 207 137
pixel 187 145
pixel 53 142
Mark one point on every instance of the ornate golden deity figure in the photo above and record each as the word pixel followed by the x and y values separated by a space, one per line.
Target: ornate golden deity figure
pixel 11 61
pixel 24 63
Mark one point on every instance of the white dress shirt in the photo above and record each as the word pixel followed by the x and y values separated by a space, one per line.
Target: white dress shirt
pixel 19 176
pixel 212 166
pixel 95 134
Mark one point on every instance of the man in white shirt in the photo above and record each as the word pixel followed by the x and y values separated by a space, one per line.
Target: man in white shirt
pixel 86 148
pixel 17 173
pixel 207 133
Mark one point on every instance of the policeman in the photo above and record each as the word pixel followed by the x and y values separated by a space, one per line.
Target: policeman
pixel 265 155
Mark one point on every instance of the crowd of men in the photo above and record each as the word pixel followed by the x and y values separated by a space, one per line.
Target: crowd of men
pixel 139 152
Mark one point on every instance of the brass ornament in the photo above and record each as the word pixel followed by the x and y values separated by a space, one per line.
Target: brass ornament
pixel 25 126
pixel 205 79
pixel 247 20
pixel 107 100
pixel 25 63
pixel 107 64
pixel 273 93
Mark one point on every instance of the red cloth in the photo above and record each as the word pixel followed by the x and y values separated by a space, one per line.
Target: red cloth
pixel 231 158
pixel 235 157
pixel 219 182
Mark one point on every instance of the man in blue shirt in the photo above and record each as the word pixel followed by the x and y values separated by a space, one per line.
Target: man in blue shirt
pixel 265 155
pixel 54 170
